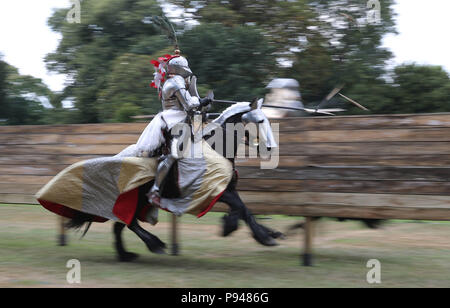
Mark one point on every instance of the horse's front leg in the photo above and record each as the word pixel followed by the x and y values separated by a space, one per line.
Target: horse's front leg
pixel 231 220
pixel 238 210
pixel 154 244
pixel 122 254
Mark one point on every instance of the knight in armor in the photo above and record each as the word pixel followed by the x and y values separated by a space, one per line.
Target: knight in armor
pixel 179 100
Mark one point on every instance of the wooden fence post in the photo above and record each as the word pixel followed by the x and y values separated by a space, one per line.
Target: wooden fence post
pixel 309 230
pixel 62 232
pixel 174 236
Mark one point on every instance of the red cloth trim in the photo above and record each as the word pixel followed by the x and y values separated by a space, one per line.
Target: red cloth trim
pixel 126 205
pixel 210 206
pixel 166 210
pixel 65 211
pixel 157 63
pixel 142 216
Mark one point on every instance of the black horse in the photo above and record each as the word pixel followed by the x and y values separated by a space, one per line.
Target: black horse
pixel 237 208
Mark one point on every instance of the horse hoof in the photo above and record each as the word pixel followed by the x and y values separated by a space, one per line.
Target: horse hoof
pixel 273 233
pixel 158 250
pixel 277 234
pixel 128 257
pixel 270 242
pixel 156 246
pixel 160 243
pixel 266 241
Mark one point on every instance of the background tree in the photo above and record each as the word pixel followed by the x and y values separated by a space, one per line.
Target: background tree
pixel 87 51
pixel 4 108
pixel 234 62
pixel 282 22
pixel 235 48
pixel 420 89
pixel 347 49
pixel 22 97
pixel 321 43
pixel 129 83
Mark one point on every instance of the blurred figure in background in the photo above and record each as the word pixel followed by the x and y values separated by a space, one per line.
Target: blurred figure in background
pixel 284 92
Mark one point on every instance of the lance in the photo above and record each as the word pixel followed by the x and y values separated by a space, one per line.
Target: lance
pixel 316 110
pixel 353 102
pixel 307 110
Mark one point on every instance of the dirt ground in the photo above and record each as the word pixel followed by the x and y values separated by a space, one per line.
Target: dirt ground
pixel 411 254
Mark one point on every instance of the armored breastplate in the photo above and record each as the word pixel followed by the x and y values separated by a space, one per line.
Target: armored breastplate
pixel 171 103
pixel 171 86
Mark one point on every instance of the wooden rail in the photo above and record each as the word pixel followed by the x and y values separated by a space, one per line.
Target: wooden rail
pixel 383 167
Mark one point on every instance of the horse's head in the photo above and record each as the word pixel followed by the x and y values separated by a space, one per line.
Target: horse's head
pixel 265 134
pixel 239 122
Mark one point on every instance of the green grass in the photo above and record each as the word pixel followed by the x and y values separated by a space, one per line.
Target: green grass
pixel 411 255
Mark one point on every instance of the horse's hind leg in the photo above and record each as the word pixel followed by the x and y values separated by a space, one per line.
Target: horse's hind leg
pixel 122 254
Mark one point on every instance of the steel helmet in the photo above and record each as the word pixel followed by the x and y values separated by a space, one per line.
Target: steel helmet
pixel 179 66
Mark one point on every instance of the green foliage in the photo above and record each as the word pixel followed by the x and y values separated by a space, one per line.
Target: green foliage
pixel 22 97
pixel 24 84
pixel 237 48
pixel 4 108
pixel 329 43
pixel 88 51
pixel 414 89
pixel 314 69
pixel 346 49
pixel 126 111
pixel 420 89
pixel 128 83
pixel 60 115
pixel 235 62
pixel 376 95
pixel 282 22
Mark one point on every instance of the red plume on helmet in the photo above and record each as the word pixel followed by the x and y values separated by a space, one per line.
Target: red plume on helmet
pixel 160 70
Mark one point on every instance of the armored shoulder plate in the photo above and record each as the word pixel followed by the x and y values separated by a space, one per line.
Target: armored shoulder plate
pixel 172 85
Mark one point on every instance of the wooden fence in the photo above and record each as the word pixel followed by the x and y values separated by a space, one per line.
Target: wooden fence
pixel 395 166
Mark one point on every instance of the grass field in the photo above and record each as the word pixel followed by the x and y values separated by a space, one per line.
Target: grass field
pixel 412 254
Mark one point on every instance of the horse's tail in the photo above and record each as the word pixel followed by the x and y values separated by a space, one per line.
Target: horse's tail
pixel 79 220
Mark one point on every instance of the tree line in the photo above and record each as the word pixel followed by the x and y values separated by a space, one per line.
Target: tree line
pixel 235 48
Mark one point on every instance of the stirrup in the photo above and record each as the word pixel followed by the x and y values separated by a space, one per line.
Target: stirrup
pixel 154 198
